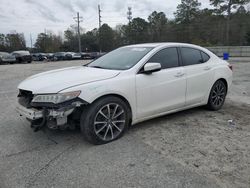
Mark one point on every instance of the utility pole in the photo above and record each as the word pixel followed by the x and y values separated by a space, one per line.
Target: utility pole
pixel 100 24
pixel 45 37
pixel 78 19
pixel 31 43
pixel 129 14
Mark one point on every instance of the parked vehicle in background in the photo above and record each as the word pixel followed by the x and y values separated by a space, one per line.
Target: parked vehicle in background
pixel 85 55
pixel 92 55
pixel 126 86
pixel 68 55
pixel 96 55
pixel 50 56
pixel 39 57
pixel 7 58
pixel 76 56
pixel 59 56
pixel 22 56
pixel 72 56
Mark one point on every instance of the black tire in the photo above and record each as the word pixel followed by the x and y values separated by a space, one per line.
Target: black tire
pixel 29 61
pixel 217 96
pixel 96 128
pixel 19 60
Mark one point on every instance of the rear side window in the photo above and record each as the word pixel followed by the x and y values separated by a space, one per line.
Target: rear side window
pixel 205 57
pixel 168 58
pixel 191 56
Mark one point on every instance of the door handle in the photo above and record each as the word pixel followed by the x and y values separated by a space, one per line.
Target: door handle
pixel 207 68
pixel 179 74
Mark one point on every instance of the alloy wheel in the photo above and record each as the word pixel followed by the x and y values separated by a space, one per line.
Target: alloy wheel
pixel 218 94
pixel 109 121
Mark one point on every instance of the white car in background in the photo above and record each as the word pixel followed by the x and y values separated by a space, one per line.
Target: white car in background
pixel 128 85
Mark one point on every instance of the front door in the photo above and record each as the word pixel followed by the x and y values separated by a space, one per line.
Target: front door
pixel 161 91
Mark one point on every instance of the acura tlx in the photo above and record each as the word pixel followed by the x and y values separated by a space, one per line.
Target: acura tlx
pixel 128 85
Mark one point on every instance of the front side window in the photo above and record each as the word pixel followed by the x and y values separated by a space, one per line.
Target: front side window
pixel 168 58
pixel 121 58
pixel 191 56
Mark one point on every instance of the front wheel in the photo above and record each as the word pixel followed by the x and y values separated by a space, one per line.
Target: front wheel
pixel 105 120
pixel 217 95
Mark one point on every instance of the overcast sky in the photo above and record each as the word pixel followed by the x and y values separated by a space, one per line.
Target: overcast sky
pixel 34 16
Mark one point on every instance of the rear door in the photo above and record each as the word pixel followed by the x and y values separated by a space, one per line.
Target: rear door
pixel 164 90
pixel 199 74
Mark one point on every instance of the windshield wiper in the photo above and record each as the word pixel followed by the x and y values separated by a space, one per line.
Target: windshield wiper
pixel 98 67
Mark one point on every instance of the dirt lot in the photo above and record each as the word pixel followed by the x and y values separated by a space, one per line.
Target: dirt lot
pixel 194 148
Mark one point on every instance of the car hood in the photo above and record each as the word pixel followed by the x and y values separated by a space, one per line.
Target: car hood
pixel 57 80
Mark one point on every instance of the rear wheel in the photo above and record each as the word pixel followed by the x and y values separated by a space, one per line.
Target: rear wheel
pixel 217 95
pixel 105 120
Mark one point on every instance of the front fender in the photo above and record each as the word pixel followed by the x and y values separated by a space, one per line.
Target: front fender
pixel 124 87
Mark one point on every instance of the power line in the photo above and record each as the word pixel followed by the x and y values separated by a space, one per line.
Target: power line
pixel 78 19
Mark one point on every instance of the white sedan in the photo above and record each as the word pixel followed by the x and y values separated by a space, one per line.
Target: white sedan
pixel 128 85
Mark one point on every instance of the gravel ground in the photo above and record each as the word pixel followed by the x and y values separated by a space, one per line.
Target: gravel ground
pixel 193 148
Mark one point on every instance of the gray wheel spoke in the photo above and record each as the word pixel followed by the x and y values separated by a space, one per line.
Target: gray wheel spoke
pixel 215 101
pixel 112 133
pixel 101 128
pixel 103 114
pixel 106 132
pixel 221 94
pixel 117 115
pixel 116 127
pixel 100 122
pixel 119 121
pixel 114 112
pixel 109 113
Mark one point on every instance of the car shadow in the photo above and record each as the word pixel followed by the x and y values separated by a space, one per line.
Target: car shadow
pixel 153 122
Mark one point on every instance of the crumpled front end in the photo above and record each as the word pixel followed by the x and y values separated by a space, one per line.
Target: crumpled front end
pixel 54 116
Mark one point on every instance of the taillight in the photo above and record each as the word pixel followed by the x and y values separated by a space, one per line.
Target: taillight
pixel 231 67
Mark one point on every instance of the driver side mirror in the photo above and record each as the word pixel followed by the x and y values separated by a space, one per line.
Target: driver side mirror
pixel 151 67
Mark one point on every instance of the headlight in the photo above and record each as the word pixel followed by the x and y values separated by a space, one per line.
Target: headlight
pixel 56 98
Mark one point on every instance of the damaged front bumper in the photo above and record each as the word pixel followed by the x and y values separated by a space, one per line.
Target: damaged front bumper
pixel 29 113
pixel 52 117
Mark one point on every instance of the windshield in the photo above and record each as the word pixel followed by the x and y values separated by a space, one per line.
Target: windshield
pixel 121 58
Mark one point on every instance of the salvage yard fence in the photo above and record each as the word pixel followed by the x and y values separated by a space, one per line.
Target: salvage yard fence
pixel 233 51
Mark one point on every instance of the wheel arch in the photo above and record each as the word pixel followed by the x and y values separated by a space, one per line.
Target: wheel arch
pixel 122 98
pixel 224 81
pixel 215 80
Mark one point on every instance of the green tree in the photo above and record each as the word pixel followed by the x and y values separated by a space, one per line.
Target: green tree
pixel 71 40
pixel 48 42
pixel 106 38
pixel 158 26
pixel 137 31
pixel 187 11
pixel 2 42
pixel 228 6
pixel 90 41
pixel 15 41
pixel 248 38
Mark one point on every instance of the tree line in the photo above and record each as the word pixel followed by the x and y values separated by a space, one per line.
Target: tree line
pixel 227 23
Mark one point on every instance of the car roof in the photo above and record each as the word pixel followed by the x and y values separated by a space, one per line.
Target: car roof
pixel 163 44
